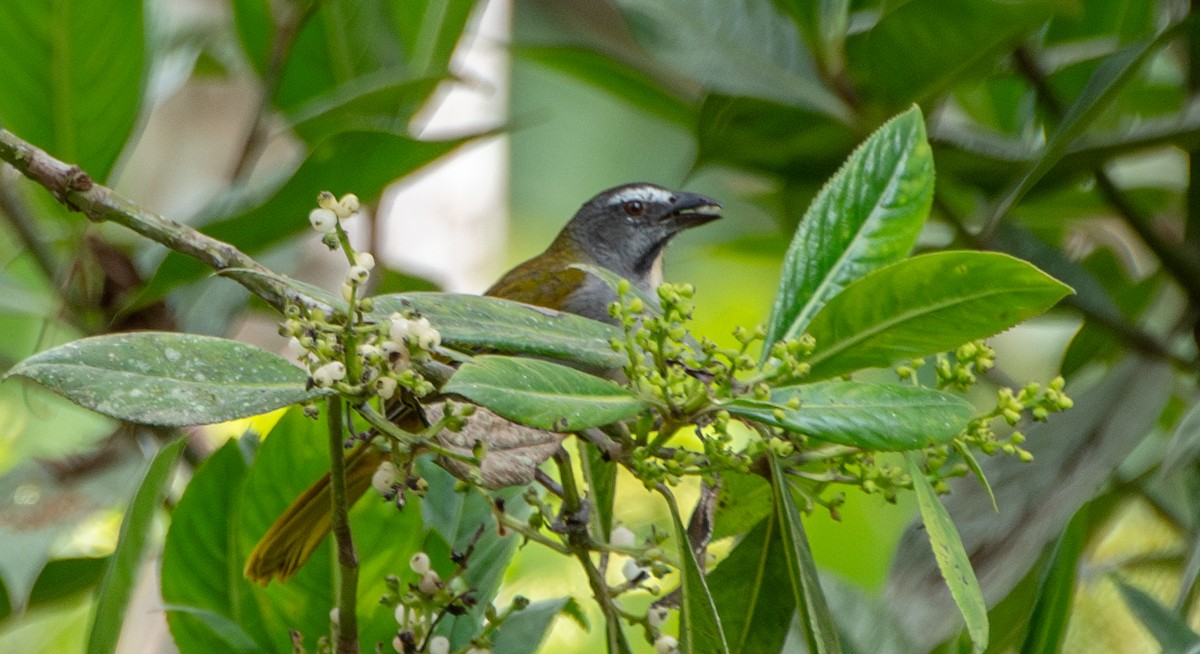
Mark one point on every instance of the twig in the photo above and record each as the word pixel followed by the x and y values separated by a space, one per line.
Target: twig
pixel 346 625
pixel 75 188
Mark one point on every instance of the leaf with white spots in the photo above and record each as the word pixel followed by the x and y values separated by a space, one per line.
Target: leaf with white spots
pixel 168 379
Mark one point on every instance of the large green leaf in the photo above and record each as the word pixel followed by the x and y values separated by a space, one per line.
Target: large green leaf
pixel 738 47
pixel 626 82
pixel 926 304
pixel 951 557
pixel 72 76
pixel 700 630
pixel 886 417
pixel 472 322
pixel 543 394
pixel 751 591
pixel 362 162
pixel 125 565
pixel 819 629
pixel 940 47
pixel 823 24
pixel 168 379
pixel 864 218
pixel 198 542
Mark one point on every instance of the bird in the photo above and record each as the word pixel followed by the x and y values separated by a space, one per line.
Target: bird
pixel 624 229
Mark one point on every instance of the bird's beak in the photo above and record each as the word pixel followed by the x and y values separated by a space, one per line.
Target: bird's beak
pixel 692 209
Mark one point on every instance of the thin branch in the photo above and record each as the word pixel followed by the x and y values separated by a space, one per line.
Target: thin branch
pixel 76 189
pixel 346 624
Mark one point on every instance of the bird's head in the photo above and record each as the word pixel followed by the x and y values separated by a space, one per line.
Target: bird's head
pixel 625 229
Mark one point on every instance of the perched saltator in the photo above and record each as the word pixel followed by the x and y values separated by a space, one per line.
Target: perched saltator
pixel 625 230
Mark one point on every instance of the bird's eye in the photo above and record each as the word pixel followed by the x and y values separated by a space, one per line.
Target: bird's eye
pixel 634 208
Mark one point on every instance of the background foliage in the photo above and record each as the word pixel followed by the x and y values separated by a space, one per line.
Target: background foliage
pixel 1062 132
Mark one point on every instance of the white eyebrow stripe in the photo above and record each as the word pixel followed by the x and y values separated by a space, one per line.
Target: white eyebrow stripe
pixel 653 194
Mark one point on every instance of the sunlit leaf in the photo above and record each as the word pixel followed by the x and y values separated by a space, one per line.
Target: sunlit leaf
pixel 896 313
pixel 867 216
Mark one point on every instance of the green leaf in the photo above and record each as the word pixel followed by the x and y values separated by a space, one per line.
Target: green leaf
pixel 823 24
pixel 622 80
pixel 1116 70
pixel 700 629
pixel 819 630
pixel 73 76
pixel 227 635
pixel 951 557
pixel 126 563
pixel 942 48
pixel 472 322
pixel 738 47
pixel 168 379
pixel 897 313
pixel 883 417
pixel 867 216
pixel 601 477
pixel 429 32
pixel 201 606
pixel 1056 589
pixel 382 102
pixel 524 630
pixel 743 500
pixel 751 591
pixel 542 394
pixel 362 162
pixel 1170 630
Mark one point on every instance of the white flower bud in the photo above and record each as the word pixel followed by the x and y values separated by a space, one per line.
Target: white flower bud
pixel 657 615
pixel 323 220
pixel 295 348
pixel 348 291
pixel 357 275
pixel 632 571
pixel 439 645
pixel 622 537
pixel 347 206
pixel 384 479
pixel 365 259
pixel 400 328
pixel 370 351
pixel 666 645
pixel 398 645
pixel 424 334
pixel 327 200
pixel 335 616
pixel 419 563
pixel 385 387
pixel 430 583
pixel 329 373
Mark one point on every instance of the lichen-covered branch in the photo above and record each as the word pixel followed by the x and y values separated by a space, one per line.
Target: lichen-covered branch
pixel 75 188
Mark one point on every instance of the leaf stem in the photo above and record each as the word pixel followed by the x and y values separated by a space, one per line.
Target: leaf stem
pixel 346 625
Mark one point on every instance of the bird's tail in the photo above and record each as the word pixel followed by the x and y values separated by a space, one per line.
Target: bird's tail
pixel 301 528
